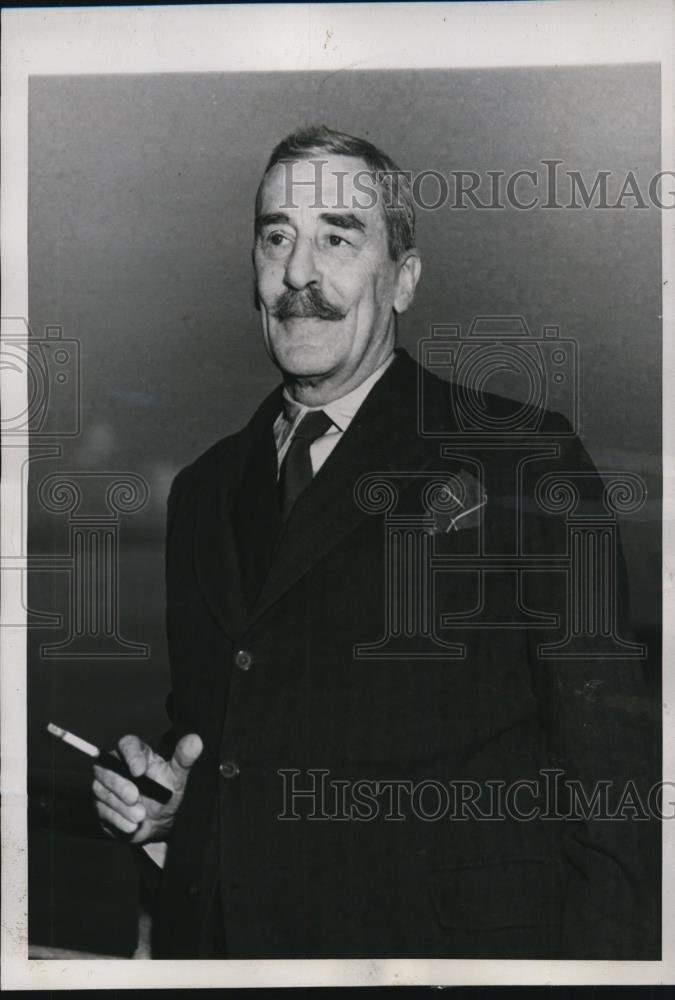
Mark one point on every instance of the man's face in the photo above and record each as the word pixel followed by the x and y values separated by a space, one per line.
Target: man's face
pixel 326 283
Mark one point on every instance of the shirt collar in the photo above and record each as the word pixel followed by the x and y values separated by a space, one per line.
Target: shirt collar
pixel 341 411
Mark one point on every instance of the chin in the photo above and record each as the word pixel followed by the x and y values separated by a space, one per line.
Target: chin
pixel 305 362
pixel 304 356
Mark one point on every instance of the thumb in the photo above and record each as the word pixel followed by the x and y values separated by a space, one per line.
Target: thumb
pixel 186 753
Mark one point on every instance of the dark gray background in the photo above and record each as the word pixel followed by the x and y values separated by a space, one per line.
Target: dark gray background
pixel 140 228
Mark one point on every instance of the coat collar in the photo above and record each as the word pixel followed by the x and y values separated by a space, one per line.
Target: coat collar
pixel 382 437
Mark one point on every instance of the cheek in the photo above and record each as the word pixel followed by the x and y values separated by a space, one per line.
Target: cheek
pixel 356 285
pixel 376 293
pixel 268 279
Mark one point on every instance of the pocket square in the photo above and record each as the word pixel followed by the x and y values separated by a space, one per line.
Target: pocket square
pixel 456 503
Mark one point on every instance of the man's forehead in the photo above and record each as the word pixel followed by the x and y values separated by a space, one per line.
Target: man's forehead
pixel 321 182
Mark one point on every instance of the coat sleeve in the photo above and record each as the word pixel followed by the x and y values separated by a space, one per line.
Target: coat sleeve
pixel 602 727
pixel 150 868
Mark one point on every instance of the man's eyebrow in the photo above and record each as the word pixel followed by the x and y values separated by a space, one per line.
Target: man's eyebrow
pixel 270 219
pixel 343 220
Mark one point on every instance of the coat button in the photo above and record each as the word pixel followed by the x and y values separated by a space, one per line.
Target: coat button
pixel 193 892
pixel 229 769
pixel 243 659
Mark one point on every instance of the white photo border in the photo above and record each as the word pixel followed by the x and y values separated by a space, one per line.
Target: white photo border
pixel 242 37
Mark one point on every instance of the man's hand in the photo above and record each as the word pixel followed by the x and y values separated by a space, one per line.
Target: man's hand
pixel 120 806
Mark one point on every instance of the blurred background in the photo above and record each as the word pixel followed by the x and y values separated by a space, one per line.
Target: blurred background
pixel 147 350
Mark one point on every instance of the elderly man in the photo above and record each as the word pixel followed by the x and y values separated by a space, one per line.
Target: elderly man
pixel 326 665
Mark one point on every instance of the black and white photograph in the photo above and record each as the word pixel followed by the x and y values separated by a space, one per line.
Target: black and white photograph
pixel 336 369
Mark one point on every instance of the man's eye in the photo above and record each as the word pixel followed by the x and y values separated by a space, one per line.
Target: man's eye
pixel 336 241
pixel 276 243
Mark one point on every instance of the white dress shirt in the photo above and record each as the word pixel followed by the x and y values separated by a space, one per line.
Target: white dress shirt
pixel 341 411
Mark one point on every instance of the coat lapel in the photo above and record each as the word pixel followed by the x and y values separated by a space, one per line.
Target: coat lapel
pixel 382 437
pixel 256 520
pixel 220 514
pixel 235 521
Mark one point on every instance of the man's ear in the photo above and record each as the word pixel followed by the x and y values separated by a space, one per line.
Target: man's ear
pixel 409 270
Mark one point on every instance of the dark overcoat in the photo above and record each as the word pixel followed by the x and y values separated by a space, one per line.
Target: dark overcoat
pixel 376 650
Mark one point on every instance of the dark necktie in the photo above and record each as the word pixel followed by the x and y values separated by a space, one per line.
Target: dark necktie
pixel 296 468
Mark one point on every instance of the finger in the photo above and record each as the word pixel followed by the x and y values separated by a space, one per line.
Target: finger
pixel 135 813
pixel 114 820
pixel 135 753
pixel 186 753
pixel 123 788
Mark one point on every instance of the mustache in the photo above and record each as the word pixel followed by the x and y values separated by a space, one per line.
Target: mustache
pixel 308 302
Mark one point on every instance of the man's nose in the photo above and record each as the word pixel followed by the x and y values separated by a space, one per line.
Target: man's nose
pixel 301 265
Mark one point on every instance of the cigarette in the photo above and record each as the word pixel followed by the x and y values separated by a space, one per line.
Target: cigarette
pixel 146 786
pixel 74 741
